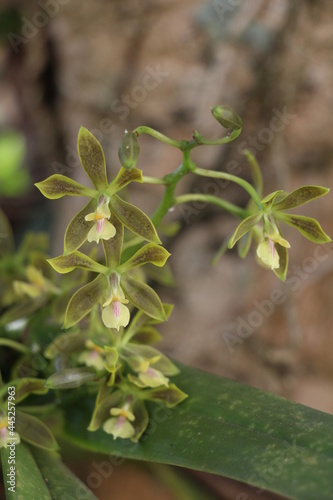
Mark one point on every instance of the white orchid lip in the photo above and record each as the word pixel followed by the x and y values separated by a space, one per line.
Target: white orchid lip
pixel 102 228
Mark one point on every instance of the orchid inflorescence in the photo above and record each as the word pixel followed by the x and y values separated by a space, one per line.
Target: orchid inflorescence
pixel 109 311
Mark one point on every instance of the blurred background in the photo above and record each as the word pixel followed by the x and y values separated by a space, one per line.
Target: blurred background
pixel 115 65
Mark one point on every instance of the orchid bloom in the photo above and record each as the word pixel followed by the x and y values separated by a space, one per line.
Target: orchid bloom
pixel 92 356
pixel 102 228
pixel 119 425
pixel 115 313
pixel 37 285
pixel 266 250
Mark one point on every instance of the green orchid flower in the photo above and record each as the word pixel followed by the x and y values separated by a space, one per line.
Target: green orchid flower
pixel 264 225
pixel 114 287
pixel 92 223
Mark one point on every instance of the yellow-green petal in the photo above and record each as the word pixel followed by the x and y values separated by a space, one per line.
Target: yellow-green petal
pixel 92 158
pixel 58 185
pixel 134 219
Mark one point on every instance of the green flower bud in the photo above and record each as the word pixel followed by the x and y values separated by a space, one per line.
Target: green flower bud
pixel 129 150
pixel 227 117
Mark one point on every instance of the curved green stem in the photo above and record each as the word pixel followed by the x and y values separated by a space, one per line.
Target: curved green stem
pixel 15 345
pixel 229 177
pixel 202 141
pixel 226 205
pixel 161 137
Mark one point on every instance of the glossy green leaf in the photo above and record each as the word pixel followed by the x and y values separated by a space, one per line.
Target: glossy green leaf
pixel 29 482
pixel 85 299
pixel 244 227
pixel 230 429
pixel 113 246
pixel 143 297
pixel 300 196
pixel 134 219
pixel 308 227
pixel 151 253
pixel 58 185
pixel 70 378
pixel 78 228
pixel 41 475
pixel 92 158
pixel 61 482
pixel 34 431
pixel 66 263
pixel 123 178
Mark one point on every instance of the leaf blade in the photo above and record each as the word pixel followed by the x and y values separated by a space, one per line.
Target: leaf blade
pixel 230 429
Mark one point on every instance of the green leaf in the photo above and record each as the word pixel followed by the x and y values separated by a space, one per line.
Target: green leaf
pixel 134 219
pixel 113 246
pixel 60 480
pixel 70 378
pixel 269 199
pixel 85 299
pixel 75 260
pixel 92 158
pixel 40 474
pixel 244 227
pixel 34 431
pixel 308 227
pixel 143 297
pixel 29 482
pixel 58 185
pixel 78 228
pixel 151 253
pixel 123 178
pixel 300 196
pixel 230 429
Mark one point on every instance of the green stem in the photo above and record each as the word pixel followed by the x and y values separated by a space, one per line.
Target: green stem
pixel 161 137
pixel 226 205
pixel 229 177
pixel 171 181
pixel 202 141
pixel 15 345
pixel 152 180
